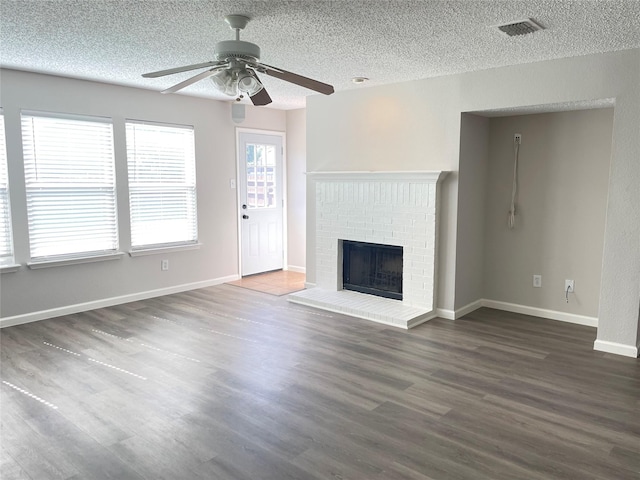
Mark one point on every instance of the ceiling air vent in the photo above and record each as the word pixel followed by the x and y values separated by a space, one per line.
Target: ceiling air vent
pixel 521 27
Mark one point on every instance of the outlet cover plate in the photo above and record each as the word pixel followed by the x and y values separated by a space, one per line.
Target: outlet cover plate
pixel 569 286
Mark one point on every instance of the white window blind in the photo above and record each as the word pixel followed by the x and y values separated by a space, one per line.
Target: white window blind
pixel 162 184
pixel 70 184
pixel 6 246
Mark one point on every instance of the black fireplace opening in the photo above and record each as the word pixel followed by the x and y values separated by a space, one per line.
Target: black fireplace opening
pixel 372 268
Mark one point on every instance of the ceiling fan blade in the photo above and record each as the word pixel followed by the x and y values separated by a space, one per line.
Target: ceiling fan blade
pixel 261 98
pixel 192 80
pixel 295 78
pixel 171 71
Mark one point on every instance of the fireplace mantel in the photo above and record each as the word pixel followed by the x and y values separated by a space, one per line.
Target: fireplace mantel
pixel 384 207
pixel 408 176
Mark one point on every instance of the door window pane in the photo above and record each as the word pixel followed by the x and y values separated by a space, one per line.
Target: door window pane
pixel 261 178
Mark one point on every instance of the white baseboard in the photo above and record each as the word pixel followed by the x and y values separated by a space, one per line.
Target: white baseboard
pixel 460 312
pixel 446 314
pixel 309 285
pixel 513 307
pixel 295 268
pixel 109 302
pixel 616 348
pixel 470 307
pixel 541 312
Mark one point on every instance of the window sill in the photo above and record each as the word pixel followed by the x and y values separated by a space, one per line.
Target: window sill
pixel 10 268
pixel 159 250
pixel 60 262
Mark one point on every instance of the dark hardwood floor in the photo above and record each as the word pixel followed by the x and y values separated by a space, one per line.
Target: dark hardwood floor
pixel 226 383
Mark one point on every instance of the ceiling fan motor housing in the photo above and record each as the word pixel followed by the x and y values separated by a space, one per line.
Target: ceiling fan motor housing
pixel 237 49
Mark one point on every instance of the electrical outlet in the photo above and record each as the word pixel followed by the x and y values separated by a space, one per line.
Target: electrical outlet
pixel 569 286
pixel 517 138
pixel 537 281
pixel 164 265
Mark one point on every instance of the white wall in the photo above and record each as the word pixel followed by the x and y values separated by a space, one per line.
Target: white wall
pixel 563 176
pixel 53 290
pixel 296 189
pixel 409 126
pixel 416 126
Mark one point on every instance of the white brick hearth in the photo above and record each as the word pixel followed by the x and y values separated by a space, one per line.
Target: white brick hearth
pixel 389 208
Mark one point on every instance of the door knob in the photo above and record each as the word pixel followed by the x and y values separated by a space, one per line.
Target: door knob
pixel 244 207
pixel 245 216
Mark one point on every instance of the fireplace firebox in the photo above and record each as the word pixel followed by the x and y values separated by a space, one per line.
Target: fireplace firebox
pixel 372 268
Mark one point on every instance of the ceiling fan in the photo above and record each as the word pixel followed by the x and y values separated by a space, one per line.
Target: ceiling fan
pixel 234 72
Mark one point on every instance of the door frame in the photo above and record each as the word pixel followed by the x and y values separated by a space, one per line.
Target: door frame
pixel 283 136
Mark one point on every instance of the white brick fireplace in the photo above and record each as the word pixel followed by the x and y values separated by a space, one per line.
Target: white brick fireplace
pixel 389 208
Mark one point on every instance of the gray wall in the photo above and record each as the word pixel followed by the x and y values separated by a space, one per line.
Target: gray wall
pixel 48 290
pixel 417 126
pixel 561 208
pixel 472 180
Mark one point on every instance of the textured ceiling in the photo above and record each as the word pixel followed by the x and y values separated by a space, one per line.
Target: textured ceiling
pixel 115 41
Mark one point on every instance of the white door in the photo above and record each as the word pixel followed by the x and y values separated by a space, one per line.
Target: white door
pixel 261 202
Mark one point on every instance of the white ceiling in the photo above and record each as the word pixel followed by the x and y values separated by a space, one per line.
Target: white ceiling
pixel 115 41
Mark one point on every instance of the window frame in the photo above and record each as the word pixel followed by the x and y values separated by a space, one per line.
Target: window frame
pixel 101 183
pixel 140 186
pixel 7 260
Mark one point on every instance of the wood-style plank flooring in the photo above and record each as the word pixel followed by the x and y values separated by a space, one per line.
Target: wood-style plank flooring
pixel 225 383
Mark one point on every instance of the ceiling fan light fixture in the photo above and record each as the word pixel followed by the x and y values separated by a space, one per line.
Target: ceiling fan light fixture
pixel 249 84
pixel 225 81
